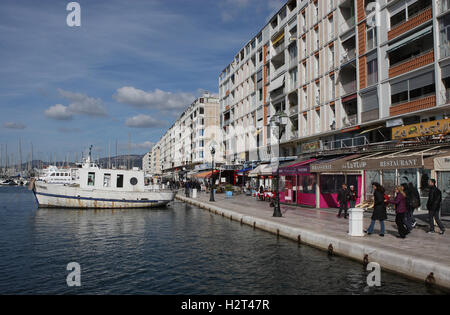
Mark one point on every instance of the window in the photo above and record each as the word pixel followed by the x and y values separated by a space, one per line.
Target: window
pixel 91 179
pixel 414 88
pixel 371 38
pixel 398 18
pixel 372 69
pixel 201 111
pixel 119 181
pixel 107 180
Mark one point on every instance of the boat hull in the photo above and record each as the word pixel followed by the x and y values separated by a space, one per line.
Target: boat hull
pixel 60 196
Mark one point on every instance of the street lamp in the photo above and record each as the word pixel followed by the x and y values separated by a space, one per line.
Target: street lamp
pixel 212 148
pixel 279 120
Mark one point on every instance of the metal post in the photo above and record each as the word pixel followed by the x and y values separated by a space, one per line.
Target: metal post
pixel 211 197
pixel 276 208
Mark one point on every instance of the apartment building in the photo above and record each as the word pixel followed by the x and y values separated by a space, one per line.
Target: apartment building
pixel 146 162
pixel 186 143
pixel 345 72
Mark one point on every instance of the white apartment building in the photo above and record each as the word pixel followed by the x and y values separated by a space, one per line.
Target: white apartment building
pixel 187 141
pixel 344 71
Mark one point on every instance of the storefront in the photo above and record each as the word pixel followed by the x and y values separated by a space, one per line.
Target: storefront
pixel 441 172
pixel 261 176
pixel 331 174
pixel 390 170
pixel 298 184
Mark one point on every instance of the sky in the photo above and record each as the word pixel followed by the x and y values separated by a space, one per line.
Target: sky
pixel 126 74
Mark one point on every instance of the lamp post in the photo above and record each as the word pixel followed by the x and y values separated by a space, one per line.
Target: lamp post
pixel 212 148
pixel 279 120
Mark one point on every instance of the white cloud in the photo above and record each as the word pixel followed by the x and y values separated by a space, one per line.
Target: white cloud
pixel 231 9
pixel 59 112
pixel 144 121
pixel 157 99
pixel 14 125
pixel 146 145
pixel 83 104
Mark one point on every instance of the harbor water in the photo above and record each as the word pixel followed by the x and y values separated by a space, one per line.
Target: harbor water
pixel 177 250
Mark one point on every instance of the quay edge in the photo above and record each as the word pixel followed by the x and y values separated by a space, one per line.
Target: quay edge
pixel 415 268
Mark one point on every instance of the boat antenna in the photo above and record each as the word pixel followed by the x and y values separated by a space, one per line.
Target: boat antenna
pixel 90 152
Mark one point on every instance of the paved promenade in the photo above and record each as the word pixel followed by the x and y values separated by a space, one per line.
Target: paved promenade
pixel 416 256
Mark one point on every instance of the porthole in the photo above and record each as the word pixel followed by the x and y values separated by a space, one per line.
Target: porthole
pixel 133 181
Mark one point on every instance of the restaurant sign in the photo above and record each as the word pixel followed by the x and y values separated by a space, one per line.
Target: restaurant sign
pixel 385 163
pixel 424 129
pixel 442 163
pixel 311 146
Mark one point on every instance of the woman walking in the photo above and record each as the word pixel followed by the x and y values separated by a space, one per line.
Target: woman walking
pixel 400 210
pixel 379 209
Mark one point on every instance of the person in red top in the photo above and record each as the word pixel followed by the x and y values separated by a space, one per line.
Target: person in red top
pixel 400 210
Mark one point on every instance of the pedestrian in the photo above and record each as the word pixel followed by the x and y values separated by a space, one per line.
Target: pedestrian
pixel 186 189
pixel 414 203
pixel 434 206
pixel 343 199
pixel 379 209
pixel 353 196
pixel 408 221
pixel 400 211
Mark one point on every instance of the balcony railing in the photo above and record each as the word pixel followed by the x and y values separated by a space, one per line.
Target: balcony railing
pixel 443 6
pixel 348 88
pixel 348 24
pixel 293 110
pixel 445 50
pixel 279 49
pixel 445 97
pixel 350 121
pixel 412 22
pixel 346 143
pixel 348 55
pixel 412 63
pixel 294 135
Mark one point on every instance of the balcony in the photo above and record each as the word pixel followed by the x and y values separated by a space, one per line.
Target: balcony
pixel 346 143
pixel 347 25
pixel 411 23
pixel 293 111
pixel 413 106
pixel 294 135
pixel 445 97
pixel 443 6
pixel 349 121
pixel 445 50
pixel 348 88
pixel 412 63
pixel 348 55
pixel 279 49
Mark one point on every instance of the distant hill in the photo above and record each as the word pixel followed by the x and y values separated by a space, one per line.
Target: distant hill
pixel 116 161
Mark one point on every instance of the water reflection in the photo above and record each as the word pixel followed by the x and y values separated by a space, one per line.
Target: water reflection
pixel 178 250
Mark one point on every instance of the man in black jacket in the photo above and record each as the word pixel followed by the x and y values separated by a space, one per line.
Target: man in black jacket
pixel 343 199
pixel 434 206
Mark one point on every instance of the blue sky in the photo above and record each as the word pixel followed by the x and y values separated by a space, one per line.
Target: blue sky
pixel 130 69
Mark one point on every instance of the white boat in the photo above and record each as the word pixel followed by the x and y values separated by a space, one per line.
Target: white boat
pixel 93 188
pixel 8 182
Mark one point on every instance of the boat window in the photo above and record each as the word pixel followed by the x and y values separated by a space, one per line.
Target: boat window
pixel 133 181
pixel 107 180
pixel 91 179
pixel 53 174
pixel 119 181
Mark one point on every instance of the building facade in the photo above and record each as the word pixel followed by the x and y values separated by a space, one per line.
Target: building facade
pixel 349 74
pixel 336 67
pixel 186 143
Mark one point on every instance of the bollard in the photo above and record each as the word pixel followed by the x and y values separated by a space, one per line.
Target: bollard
pixel 194 193
pixel 356 222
